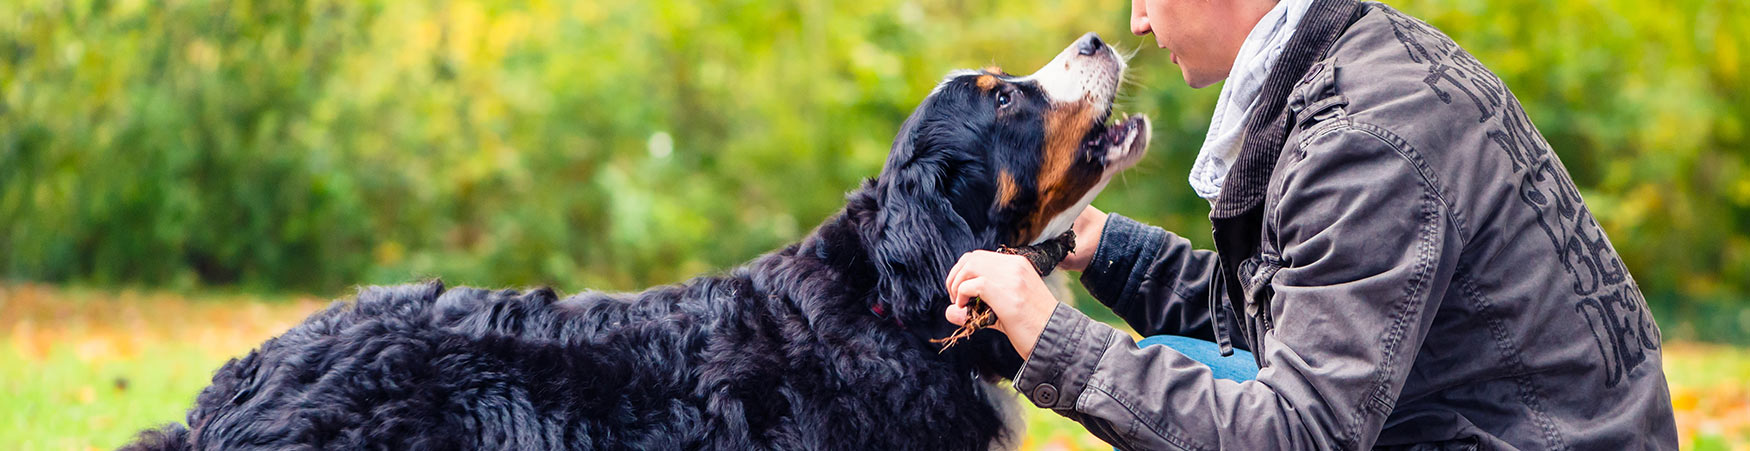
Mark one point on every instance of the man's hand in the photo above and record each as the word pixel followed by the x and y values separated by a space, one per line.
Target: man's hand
pixel 1010 287
pixel 1088 227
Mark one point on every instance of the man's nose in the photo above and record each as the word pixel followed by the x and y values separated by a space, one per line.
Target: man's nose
pixel 1139 19
pixel 1090 44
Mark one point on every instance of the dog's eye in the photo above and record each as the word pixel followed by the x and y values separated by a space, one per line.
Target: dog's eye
pixel 1003 99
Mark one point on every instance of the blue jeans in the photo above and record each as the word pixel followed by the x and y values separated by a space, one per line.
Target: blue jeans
pixel 1239 367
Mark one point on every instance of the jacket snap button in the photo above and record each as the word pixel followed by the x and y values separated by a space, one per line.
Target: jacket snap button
pixel 1045 395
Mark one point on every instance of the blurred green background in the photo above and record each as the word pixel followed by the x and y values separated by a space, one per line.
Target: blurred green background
pixel 283 147
pixel 312 145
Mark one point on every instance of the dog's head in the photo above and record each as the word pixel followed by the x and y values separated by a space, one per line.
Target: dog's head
pixel 993 159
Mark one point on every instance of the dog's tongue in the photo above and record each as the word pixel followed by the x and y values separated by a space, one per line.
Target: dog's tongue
pixel 1047 254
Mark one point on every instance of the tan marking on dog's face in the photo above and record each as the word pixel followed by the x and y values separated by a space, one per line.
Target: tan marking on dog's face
pixel 1069 100
pixel 1007 189
pixel 1060 184
pixel 986 82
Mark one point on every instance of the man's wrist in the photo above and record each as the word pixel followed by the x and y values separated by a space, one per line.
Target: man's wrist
pixel 1024 335
pixel 1089 228
pixel 1063 358
pixel 1126 246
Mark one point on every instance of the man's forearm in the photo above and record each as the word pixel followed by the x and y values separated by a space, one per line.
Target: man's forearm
pixel 1152 278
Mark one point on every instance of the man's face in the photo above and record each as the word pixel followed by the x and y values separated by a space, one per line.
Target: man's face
pixel 1204 36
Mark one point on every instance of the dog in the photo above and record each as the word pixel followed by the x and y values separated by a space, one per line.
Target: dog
pixel 824 344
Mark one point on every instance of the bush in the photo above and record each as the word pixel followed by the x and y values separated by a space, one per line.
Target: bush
pixel 312 145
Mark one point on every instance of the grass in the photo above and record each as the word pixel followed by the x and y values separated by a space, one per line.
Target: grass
pixel 87 369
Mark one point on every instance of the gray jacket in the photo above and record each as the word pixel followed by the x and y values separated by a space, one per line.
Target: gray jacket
pixel 1402 251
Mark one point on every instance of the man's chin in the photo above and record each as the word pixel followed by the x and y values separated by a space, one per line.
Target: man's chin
pixel 1197 82
pixel 1186 73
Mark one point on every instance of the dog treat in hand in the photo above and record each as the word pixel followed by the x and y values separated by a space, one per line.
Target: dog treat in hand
pixel 1044 257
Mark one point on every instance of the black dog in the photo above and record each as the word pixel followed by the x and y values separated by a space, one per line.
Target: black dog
pixel 821 345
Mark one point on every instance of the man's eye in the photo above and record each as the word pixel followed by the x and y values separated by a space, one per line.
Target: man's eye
pixel 1002 99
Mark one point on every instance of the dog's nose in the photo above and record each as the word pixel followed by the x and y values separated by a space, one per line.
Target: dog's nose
pixel 1091 43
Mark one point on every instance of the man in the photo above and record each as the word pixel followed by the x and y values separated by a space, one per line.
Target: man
pixel 1396 244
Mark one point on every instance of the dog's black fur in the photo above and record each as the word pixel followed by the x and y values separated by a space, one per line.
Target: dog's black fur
pixel 823 344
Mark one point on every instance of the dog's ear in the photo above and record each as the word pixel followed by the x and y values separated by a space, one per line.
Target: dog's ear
pixel 916 236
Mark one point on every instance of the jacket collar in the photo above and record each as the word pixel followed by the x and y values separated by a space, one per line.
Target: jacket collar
pixel 1237 215
pixel 1266 126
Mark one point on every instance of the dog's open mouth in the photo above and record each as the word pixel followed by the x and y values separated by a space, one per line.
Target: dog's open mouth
pixel 1118 145
pixel 1081 84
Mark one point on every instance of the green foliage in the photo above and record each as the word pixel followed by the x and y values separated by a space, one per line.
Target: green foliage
pixel 1647 105
pixel 311 145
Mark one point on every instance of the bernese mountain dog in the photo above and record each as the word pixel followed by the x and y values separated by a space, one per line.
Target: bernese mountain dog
pixel 824 344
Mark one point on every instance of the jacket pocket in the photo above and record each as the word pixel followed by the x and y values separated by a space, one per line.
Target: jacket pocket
pixel 1316 99
pixel 1255 275
pixel 1461 444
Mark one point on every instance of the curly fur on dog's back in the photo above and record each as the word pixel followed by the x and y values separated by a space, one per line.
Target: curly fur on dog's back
pixel 821 345
pixel 780 353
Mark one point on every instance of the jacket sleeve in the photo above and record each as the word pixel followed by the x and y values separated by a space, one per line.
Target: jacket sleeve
pixel 1367 251
pixel 1152 278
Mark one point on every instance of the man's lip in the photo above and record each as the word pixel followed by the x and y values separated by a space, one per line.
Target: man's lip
pixel 1175 58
